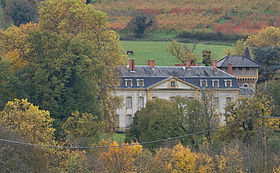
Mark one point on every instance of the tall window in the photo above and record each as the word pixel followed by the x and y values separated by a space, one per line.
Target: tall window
pixel 128 120
pixel 216 102
pixel 128 102
pixel 140 82
pixel 172 84
pixel 228 83
pixel 203 83
pixel 228 99
pixel 240 68
pixel 117 121
pixel 128 82
pixel 215 83
pixel 140 102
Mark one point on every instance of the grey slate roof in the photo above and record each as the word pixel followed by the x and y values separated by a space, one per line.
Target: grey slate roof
pixel 244 60
pixel 192 76
pixel 237 61
pixel 168 71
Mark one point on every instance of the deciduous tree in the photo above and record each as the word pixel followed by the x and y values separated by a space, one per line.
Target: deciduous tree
pixel 28 121
pixel 181 52
pixel 140 23
pixel 162 119
pixel 83 129
pixel 22 11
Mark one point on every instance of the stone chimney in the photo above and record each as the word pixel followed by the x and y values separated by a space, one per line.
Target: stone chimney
pixel 215 65
pixel 148 62
pixel 230 69
pixel 152 63
pixel 132 65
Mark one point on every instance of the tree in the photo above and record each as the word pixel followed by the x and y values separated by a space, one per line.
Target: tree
pixel 210 116
pixel 269 37
pixel 244 113
pixel 84 129
pixel 14 44
pixel 71 56
pixel 238 48
pixel 28 121
pixel 120 159
pixel 21 11
pixel 7 82
pixel 272 90
pixel 66 76
pixel 269 59
pixel 162 119
pixel 16 157
pixel 84 22
pixel 181 52
pixel 206 55
pixel 140 23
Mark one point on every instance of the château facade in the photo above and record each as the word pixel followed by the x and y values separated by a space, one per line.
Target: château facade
pixel 227 79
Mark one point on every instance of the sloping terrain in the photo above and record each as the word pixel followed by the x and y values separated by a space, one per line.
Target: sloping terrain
pixel 245 16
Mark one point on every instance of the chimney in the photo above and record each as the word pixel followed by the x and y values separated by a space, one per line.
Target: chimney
pixel 131 65
pixel 215 65
pixel 152 63
pixel 230 69
pixel 148 62
pixel 188 63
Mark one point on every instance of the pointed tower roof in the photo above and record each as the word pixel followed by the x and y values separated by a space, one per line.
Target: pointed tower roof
pixel 244 60
pixel 247 53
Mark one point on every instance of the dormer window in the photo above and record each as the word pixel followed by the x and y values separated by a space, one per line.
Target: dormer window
pixel 215 83
pixel 172 84
pixel 228 83
pixel 203 83
pixel 140 82
pixel 128 82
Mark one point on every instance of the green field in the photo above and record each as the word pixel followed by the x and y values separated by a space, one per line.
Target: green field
pixel 145 50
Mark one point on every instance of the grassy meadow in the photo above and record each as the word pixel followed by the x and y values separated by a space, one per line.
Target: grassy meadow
pixel 145 50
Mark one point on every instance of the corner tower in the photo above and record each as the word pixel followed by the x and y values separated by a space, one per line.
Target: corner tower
pixel 243 67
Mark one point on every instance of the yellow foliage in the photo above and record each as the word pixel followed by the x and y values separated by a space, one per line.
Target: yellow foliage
pixel 183 159
pixel 277 170
pixel 28 121
pixel 14 45
pixel 205 163
pixel 269 37
pixel 230 160
pixel 120 159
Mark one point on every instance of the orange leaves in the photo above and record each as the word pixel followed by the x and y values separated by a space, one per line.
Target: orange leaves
pixel 120 159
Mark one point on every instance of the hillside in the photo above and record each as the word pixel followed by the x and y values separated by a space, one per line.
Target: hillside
pixel 246 16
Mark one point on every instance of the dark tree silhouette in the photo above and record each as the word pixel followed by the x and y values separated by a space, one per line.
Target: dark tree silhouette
pixel 21 11
pixel 140 23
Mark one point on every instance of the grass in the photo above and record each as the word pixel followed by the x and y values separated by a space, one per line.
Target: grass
pixel 145 50
pixel 118 137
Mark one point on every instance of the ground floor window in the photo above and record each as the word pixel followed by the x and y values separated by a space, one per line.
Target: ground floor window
pixel 128 120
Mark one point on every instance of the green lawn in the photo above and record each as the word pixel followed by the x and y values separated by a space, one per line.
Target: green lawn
pixel 144 50
pixel 118 137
